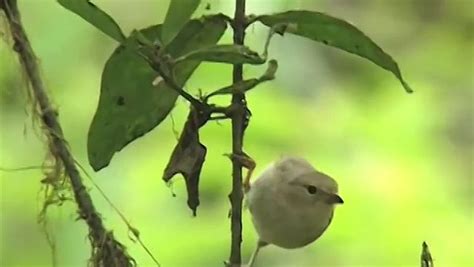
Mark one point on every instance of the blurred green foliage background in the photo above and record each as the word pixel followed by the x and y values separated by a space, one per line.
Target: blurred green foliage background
pixel 404 162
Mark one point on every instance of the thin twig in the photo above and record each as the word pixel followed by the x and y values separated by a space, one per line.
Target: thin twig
pixel 173 126
pixel 169 80
pixel 27 168
pixel 239 123
pixel 132 229
pixel 218 118
pixel 155 63
pixel 172 83
pixel 110 251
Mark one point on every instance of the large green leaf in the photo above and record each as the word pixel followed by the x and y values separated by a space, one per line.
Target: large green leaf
pixel 228 53
pixel 129 105
pixel 95 16
pixel 179 12
pixel 334 32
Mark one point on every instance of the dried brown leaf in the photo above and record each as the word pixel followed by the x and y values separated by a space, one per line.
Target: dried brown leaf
pixel 188 157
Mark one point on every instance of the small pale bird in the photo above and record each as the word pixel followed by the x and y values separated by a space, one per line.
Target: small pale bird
pixel 291 204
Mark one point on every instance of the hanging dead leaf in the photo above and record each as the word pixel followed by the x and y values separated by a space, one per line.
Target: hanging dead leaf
pixel 188 156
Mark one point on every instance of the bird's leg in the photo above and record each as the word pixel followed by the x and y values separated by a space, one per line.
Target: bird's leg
pixel 246 162
pixel 260 244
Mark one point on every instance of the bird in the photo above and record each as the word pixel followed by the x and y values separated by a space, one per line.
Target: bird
pixel 291 203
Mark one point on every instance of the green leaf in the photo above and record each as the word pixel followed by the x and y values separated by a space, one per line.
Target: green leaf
pixel 95 16
pixel 229 53
pixel 245 85
pixel 337 33
pixel 239 87
pixel 129 105
pixel 179 12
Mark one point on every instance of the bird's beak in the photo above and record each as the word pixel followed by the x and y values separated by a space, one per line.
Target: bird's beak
pixel 334 199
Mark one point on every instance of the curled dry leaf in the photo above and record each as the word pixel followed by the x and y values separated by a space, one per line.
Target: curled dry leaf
pixel 188 156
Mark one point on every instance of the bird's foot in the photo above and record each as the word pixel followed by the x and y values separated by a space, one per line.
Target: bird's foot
pixel 247 162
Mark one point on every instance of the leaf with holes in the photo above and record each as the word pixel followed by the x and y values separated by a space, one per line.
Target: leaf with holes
pixel 228 53
pixel 95 16
pixel 334 32
pixel 130 105
pixel 179 12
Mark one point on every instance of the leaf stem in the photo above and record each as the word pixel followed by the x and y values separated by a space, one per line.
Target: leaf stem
pixel 155 63
pixel 201 106
pixel 172 83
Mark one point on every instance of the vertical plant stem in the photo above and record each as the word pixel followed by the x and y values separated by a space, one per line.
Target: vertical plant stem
pixel 106 250
pixel 239 121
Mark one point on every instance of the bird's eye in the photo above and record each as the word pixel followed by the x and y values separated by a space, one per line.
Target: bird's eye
pixel 312 189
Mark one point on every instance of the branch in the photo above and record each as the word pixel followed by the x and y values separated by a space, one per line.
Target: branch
pixel 106 250
pixel 171 83
pixel 200 106
pixel 155 61
pixel 239 123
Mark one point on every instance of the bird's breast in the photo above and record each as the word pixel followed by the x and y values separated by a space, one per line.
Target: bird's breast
pixel 285 226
